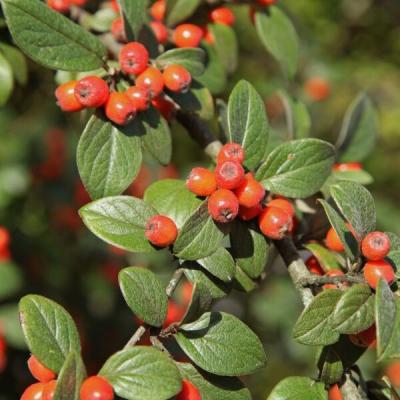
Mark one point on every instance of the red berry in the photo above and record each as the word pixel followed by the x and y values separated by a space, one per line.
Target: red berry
pixel 177 78
pixel 157 10
pixel 250 192
pixel 333 241
pixel 92 91
pixel 161 231
pixel 175 313
pixel 223 206
pixel 186 292
pixel 118 30
pixel 376 270
pixel 266 2
pixel 284 204
pixel 222 15
pixel 275 223
pixel 187 35
pixel 160 31
pixel 246 214
pixel 375 246
pixel 332 273
pixel 317 88
pixel 188 392
pixel 133 58
pixel 164 106
pixel 139 97
pixel 365 338
pixel 152 80
pixel 334 393
pixel 201 181
pixel 229 175
pixel 4 238
pixel 49 390
pixel 119 108
pixel 231 152
pixel 39 371
pixel 96 388
pixel 66 98
pixel 392 371
pixel 344 167
pixel 207 35
pixel 33 392
pixel 314 266
pixel 62 6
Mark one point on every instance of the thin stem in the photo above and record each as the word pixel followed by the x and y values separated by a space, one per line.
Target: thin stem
pixel 315 280
pixel 158 345
pixel 173 283
pixel 136 337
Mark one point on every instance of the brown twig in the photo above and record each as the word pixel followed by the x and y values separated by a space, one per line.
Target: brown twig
pixel 136 337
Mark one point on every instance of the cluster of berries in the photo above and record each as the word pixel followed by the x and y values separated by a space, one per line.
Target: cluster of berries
pixel 94 387
pixel 64 6
pixel 4 244
pixel 121 107
pixel 232 192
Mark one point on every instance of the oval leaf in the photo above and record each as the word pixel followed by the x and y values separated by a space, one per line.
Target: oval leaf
pixel 326 258
pixel 179 10
pixel 17 62
pixel 145 294
pixel 134 13
pixel 193 59
pixel 219 264
pixel 298 388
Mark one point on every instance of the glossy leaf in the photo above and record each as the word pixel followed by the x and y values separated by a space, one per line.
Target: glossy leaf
pixel 145 294
pixel 142 373
pixel 51 39
pixel 298 388
pixel 134 13
pixel 248 123
pixel 120 221
pixel 108 159
pixel 200 302
pixel 49 330
pixel 239 350
pixel 243 282
pixel 298 168
pixel 180 10
pixel 6 80
pixel 220 264
pixel 330 366
pixel 193 59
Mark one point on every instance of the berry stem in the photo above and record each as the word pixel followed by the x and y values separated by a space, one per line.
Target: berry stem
pixel 136 336
pixel 158 345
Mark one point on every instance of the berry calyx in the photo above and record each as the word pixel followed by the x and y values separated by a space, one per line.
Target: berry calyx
pixel 152 80
pixel 133 58
pixel 177 78
pixel 333 241
pixel 188 392
pixel 40 372
pixel 66 98
pixel 62 6
pixel 283 204
pixel 365 338
pixel 275 223
pixel 250 192
pixel 96 388
pixel 161 231
pixel 160 31
pixel 222 15
pixel 140 97
pixel 375 246
pixel 334 393
pixel 33 392
pixel 229 175
pixel 91 91
pixel 119 108
pixel 157 10
pixel 376 270
pixel 333 273
pixel 231 152
pixel 249 213
pixel 223 206
pixel 314 266
pixel 187 35
pixel 49 390
pixel 201 182
pixel 344 167
pixel 118 30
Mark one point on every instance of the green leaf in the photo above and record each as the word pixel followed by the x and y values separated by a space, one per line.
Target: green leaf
pixel 199 237
pixel 155 134
pixel 199 303
pixel 101 20
pixel 145 294
pixel 357 206
pixel 354 312
pixel 326 258
pixel 350 243
pixel 219 264
pixel 359 130
pixel 6 80
pixel 362 177
pixel 108 159
pixel 330 366
pixel 193 59
pixel 214 76
pixel 314 327
pixel 17 62
pixel 180 10
pixel 238 348
pixel 279 37
pixel 387 314
pixel 120 221
pixel 248 123
pixel 51 39
pixel 70 378
pixel 298 388
pixel 49 330
pixel 243 282
pixel 170 197
pixel 298 168
pixel 11 327
pixel 134 13
pixel 249 247
pixel 226 45
pixel 10 279
pixel 197 99
pixel 142 373
pixel 212 387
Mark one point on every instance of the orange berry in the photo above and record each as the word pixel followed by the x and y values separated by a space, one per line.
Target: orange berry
pixel 333 241
pixel 62 6
pixel 175 313
pixel 33 392
pixel 161 231
pixel 365 338
pixel 96 387
pixel 133 58
pixel 249 213
pixel 39 371
pixel 66 98
pixel 187 35
pixel 284 204
pixel 275 223
pixel 49 390
pixel 392 371
pixel 376 270
pixel 188 392
pixel 139 97
pixel 223 206
pixel 229 175
pixel 344 167
pixel 157 10
pixel 375 246
pixel 92 91
pixel 152 80
pixel 177 78
pixel 118 30
pixel 250 192
pixel 314 266
pixel 164 106
pixel 317 88
pixel 119 108
pixel 334 393
pixel 201 182
pixel 222 15
pixel 231 152
pixel 160 31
